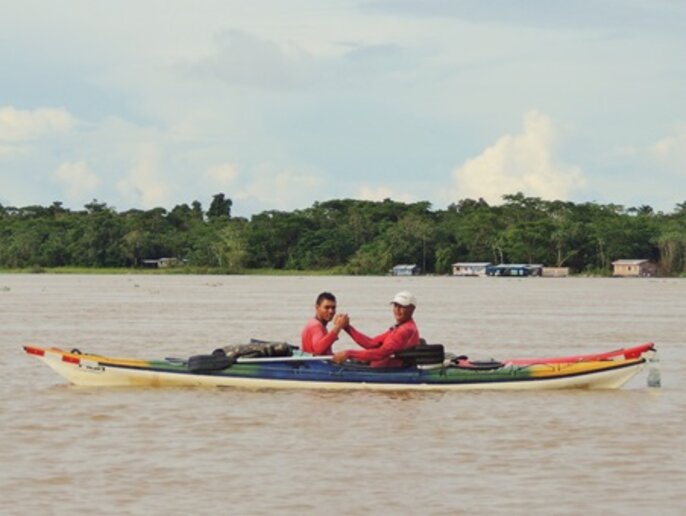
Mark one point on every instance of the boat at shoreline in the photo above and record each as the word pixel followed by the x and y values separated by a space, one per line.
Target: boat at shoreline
pixel 609 370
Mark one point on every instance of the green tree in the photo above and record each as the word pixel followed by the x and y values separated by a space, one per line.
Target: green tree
pixel 671 241
pixel 220 207
pixel 230 247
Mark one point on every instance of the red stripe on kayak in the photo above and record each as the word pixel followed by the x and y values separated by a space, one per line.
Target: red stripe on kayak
pixel 34 351
pixel 627 353
pixel 71 359
pixel 639 350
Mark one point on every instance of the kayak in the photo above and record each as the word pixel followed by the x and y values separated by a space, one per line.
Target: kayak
pixel 610 370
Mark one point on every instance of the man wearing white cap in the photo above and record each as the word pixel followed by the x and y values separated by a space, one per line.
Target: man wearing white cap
pixel 379 350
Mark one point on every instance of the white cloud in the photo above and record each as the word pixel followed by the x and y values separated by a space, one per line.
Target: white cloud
pixel 540 13
pixel 145 184
pixel 77 180
pixel 521 163
pixel 671 150
pixel 281 188
pixel 21 125
pixel 222 175
pixel 379 193
pixel 7 151
pixel 242 58
pixel 247 59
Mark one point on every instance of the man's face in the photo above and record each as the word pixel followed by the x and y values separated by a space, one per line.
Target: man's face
pixel 402 313
pixel 326 310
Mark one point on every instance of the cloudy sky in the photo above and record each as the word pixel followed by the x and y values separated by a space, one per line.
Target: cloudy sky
pixel 279 104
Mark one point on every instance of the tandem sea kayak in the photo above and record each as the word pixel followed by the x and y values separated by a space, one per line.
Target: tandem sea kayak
pixel 610 370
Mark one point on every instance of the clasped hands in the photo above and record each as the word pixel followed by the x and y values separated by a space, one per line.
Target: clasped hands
pixel 341 321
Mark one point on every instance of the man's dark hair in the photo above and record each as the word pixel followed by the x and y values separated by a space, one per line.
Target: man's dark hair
pixel 325 295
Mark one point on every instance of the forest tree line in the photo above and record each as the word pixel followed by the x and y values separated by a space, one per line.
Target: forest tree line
pixel 351 236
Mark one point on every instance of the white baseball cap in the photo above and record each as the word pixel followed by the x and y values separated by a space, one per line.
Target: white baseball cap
pixel 405 298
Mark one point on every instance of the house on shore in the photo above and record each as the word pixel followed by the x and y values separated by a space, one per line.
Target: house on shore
pixel 161 263
pixel 515 269
pixel 555 272
pixel 470 268
pixel 405 270
pixel 635 268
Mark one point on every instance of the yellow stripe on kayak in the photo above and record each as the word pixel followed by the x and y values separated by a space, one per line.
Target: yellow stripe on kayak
pixel 567 368
pixel 131 362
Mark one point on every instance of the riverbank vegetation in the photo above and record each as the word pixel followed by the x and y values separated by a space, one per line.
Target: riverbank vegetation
pixel 343 236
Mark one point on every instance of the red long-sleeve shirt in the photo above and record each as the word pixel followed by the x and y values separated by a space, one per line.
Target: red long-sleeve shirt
pixel 379 350
pixel 315 339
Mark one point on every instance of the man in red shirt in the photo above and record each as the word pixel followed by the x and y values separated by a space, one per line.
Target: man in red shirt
pixel 379 350
pixel 314 337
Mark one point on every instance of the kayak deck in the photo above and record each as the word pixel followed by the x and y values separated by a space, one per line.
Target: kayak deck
pixel 601 371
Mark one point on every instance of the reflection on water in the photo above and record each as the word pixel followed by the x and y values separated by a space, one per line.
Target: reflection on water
pixel 67 449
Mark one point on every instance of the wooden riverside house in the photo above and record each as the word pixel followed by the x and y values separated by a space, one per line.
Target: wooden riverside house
pixel 636 268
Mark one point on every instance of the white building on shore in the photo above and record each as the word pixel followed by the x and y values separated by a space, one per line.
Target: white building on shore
pixel 470 268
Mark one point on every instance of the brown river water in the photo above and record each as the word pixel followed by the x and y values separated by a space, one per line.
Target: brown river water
pixel 71 450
